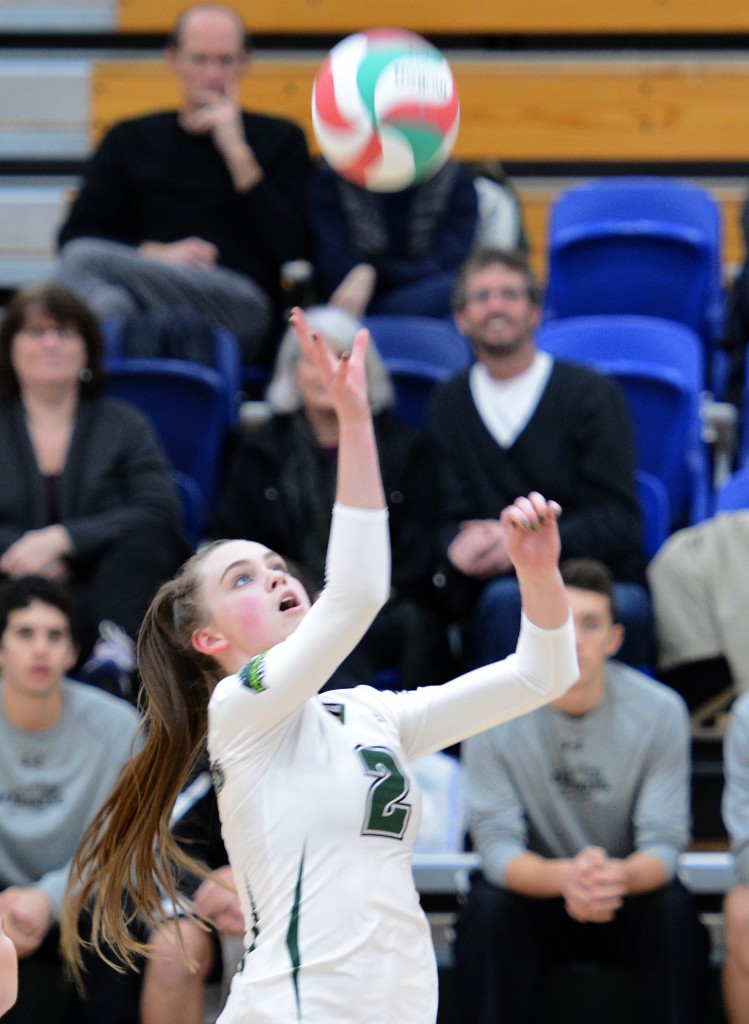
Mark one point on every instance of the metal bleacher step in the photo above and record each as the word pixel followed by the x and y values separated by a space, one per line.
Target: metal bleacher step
pixel 31 210
pixel 44 106
pixel 58 16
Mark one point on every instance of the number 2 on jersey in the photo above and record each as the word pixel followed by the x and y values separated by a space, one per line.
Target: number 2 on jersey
pixel 387 811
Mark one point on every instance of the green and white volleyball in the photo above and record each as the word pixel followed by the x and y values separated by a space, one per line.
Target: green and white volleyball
pixel 385 109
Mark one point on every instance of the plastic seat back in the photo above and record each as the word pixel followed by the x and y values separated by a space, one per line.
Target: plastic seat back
pixel 656 514
pixel 640 245
pixel 418 352
pixel 733 495
pixel 659 366
pixel 225 360
pixel 186 402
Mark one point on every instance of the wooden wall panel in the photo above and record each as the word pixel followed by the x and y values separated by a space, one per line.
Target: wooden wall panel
pixel 534 110
pixel 332 17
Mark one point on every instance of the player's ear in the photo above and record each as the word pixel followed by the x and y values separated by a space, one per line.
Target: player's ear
pixel 72 657
pixel 208 641
pixel 616 639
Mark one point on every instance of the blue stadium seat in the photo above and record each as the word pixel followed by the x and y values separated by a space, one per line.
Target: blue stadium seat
pixel 649 246
pixel 187 405
pixel 418 352
pixel 733 495
pixel 659 365
pixel 191 500
pixel 225 361
pixel 656 515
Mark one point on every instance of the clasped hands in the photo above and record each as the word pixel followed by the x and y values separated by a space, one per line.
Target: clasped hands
pixel 595 886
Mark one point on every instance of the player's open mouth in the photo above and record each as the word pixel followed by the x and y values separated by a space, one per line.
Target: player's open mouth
pixel 288 601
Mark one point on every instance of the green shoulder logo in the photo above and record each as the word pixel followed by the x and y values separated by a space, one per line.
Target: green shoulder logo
pixel 251 675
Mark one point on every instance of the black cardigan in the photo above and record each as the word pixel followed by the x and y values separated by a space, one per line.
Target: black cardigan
pixel 115 477
pixel 577 448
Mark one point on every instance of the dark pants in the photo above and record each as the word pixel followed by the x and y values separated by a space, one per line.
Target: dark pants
pixel 120 582
pixel 495 622
pixel 504 942
pixel 46 995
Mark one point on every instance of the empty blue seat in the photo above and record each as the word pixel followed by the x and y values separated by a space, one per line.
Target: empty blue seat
pixel 640 245
pixel 224 359
pixel 191 500
pixel 733 495
pixel 656 514
pixel 659 365
pixel 187 404
pixel 418 352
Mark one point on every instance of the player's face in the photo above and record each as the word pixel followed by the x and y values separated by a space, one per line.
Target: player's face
pixel 597 638
pixel 36 650
pixel 498 316
pixel 210 57
pixel 253 602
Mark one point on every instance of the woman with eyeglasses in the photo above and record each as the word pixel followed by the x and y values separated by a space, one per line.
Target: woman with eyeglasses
pixel 85 493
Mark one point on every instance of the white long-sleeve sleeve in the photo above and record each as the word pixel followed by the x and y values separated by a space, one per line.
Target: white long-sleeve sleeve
pixel 543 667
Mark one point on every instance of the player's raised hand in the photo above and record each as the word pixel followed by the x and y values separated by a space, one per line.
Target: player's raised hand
pixel 343 375
pixel 531 533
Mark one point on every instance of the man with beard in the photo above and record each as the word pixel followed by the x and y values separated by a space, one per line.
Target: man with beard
pixel 519 421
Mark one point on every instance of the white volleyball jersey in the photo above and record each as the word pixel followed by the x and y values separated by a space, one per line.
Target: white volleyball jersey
pixel 319 810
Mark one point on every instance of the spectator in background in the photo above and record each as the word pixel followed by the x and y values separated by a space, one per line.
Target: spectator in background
pixel 736 336
pixel 390 252
pixel 736 820
pixel 85 493
pixel 62 745
pixel 280 488
pixel 579 812
pixel 700 590
pixel 197 208
pixel 500 223
pixel 516 421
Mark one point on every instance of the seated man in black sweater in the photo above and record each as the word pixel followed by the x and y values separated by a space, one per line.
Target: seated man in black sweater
pixel 197 208
pixel 520 421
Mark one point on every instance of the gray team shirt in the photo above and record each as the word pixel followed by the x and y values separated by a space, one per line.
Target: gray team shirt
pixel 52 783
pixel 617 777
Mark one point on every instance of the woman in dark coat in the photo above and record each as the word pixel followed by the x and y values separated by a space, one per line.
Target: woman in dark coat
pixel 280 491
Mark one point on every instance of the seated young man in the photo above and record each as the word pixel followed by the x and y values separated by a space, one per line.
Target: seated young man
pixel 579 812
pixel 62 745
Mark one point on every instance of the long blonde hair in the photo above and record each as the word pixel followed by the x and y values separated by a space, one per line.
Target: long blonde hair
pixel 127 861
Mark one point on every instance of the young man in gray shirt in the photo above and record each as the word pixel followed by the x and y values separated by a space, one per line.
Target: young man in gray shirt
pixel 62 745
pixel 579 812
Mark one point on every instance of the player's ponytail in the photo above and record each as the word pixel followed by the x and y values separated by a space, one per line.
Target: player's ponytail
pixel 125 863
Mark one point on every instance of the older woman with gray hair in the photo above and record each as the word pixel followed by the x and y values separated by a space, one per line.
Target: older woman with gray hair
pixel 280 488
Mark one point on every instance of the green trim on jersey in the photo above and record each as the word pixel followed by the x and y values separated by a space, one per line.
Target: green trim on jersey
pixel 292 937
pixel 336 710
